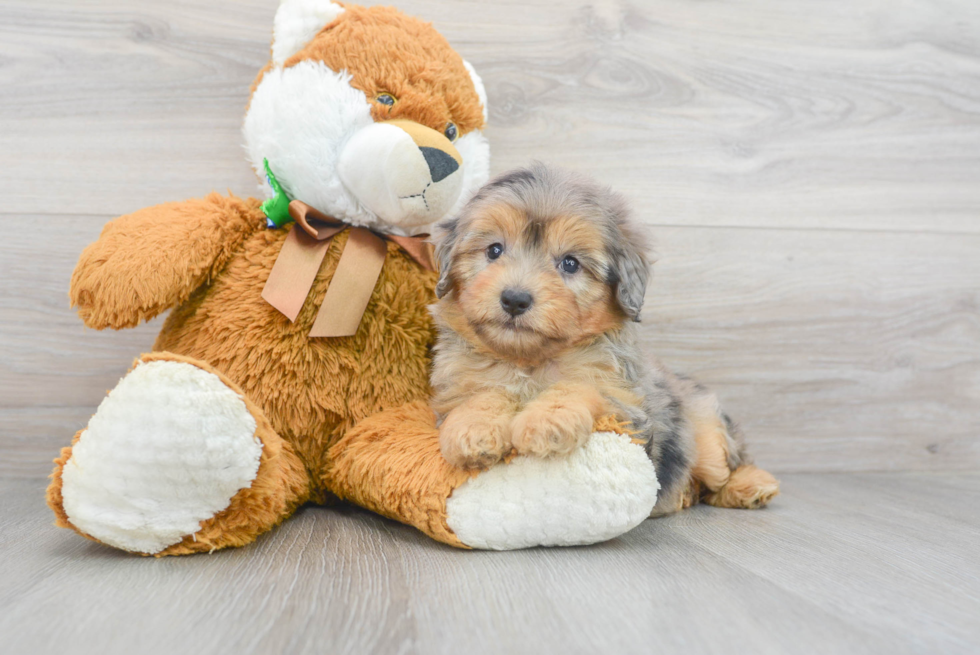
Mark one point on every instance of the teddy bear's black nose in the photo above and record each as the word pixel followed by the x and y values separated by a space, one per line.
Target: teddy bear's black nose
pixel 441 164
pixel 516 301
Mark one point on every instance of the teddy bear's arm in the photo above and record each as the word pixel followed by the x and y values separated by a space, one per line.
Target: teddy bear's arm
pixel 149 261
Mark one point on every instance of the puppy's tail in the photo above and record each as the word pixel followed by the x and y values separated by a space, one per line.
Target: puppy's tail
pixel 724 471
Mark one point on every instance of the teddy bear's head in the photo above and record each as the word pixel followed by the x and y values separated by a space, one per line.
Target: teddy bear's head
pixel 368 115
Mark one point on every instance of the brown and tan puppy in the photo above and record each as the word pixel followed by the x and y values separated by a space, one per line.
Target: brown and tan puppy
pixel 542 282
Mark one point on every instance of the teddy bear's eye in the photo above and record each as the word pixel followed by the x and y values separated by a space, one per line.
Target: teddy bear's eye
pixel 494 250
pixel 569 264
pixel 386 99
pixel 451 131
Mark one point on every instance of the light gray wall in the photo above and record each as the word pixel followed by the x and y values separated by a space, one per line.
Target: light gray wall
pixel 810 172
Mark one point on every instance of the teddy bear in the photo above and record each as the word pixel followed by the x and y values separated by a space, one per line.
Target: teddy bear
pixel 293 366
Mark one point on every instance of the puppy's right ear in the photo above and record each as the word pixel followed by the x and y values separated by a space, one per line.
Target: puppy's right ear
pixel 445 240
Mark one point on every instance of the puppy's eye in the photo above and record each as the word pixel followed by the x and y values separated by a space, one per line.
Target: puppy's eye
pixel 494 250
pixel 451 131
pixel 386 99
pixel 569 264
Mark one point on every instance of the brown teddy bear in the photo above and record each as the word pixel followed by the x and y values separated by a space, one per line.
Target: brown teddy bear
pixel 294 364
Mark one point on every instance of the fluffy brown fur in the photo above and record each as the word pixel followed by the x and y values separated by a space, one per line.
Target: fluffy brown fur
pixel 208 260
pixel 308 391
pixel 390 463
pixel 543 277
pixel 417 67
pixel 312 390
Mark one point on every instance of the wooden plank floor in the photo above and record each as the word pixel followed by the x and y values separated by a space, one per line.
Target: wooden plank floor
pixel 840 563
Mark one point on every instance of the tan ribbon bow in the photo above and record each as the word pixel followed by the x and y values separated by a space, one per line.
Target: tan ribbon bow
pixel 353 282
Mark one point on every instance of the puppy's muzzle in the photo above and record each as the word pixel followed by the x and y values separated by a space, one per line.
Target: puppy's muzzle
pixel 516 301
pixel 409 175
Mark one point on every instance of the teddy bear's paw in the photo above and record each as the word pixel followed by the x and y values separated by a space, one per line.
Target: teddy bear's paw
pixel 601 490
pixel 167 449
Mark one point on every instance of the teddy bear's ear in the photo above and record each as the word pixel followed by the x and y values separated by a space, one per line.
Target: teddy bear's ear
pixel 480 91
pixel 296 23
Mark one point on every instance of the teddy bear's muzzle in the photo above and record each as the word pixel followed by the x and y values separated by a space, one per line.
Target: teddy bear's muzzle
pixel 406 173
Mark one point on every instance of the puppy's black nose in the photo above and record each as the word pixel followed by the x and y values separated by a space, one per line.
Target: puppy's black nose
pixel 516 301
pixel 441 164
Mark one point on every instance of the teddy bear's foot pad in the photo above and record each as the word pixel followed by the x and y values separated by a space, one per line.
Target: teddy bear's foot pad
pixel 600 491
pixel 167 449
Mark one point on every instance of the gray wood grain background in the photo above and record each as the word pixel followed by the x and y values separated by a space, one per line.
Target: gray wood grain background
pixel 810 171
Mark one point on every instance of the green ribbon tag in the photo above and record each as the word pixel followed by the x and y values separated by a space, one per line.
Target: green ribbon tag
pixel 276 208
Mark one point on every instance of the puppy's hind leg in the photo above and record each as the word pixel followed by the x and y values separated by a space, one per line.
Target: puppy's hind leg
pixel 723 467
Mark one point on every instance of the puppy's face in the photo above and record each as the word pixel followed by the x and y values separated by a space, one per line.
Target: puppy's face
pixel 540 261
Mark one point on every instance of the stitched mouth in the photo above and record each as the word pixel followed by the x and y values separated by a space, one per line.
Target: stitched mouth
pixel 417 195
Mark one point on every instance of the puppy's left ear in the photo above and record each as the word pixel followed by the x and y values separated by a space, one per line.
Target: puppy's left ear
pixel 631 273
pixel 626 246
pixel 445 240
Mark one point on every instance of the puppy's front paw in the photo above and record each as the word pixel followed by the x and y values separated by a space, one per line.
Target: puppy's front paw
pixel 551 429
pixel 473 440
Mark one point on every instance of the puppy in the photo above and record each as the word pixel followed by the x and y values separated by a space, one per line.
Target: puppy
pixel 542 278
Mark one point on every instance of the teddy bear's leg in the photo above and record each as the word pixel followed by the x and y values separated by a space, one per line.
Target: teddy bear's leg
pixel 390 463
pixel 176 460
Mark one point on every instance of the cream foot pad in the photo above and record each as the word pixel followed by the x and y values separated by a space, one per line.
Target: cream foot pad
pixel 599 492
pixel 166 450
